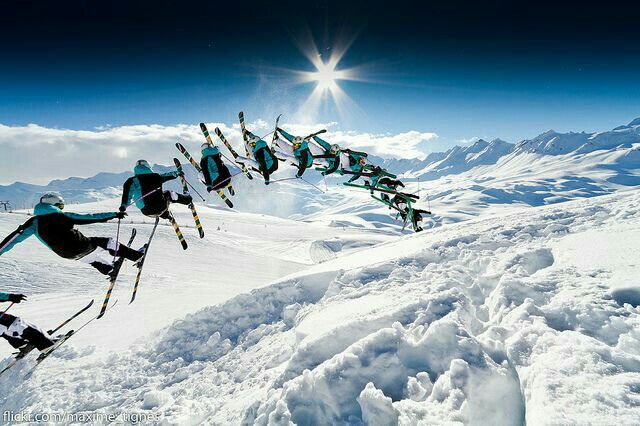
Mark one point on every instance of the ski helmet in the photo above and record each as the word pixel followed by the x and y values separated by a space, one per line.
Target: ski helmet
pixel 205 145
pixel 53 199
pixel 143 163
pixel 334 149
pixel 253 140
pixel 297 142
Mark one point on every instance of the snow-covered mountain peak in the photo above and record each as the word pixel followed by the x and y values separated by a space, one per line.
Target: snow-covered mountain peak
pixel 634 123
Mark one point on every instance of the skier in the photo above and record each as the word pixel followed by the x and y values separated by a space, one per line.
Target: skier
pixel 216 173
pixel 145 188
pixel 329 153
pixel 267 161
pixel 55 229
pixel 19 333
pixel 407 211
pixel 353 163
pixel 301 151
pixel 380 178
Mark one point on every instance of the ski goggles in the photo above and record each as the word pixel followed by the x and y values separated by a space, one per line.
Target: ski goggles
pixel 59 205
pixel 362 161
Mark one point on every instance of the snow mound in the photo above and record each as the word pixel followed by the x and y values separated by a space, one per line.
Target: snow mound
pixel 321 251
pixel 495 321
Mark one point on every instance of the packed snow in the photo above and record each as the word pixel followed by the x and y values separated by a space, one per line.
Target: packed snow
pixel 524 316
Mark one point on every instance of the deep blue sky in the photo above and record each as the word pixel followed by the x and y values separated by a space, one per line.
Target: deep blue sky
pixel 490 69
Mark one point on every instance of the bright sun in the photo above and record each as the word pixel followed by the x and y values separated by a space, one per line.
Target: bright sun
pixel 326 77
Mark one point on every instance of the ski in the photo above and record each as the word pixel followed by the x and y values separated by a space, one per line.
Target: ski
pixel 195 164
pixel 24 353
pixel 71 318
pixel 244 133
pixel 275 132
pixel 114 276
pixel 185 190
pixel 141 262
pixel 188 156
pixel 233 152
pixel 319 132
pixel 178 232
pixel 388 191
pixel 47 352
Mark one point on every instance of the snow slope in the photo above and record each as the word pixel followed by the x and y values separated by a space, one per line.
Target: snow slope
pixel 510 318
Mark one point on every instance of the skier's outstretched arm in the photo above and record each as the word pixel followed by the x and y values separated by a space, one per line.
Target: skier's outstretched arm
pixel 23 232
pixel 166 177
pixel 87 219
pixel 12 297
pixel 126 194
pixel 286 135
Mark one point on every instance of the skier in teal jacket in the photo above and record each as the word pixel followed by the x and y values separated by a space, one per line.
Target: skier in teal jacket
pixel 56 230
pixel 301 151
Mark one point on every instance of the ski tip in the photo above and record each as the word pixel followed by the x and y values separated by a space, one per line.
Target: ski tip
pixel 203 127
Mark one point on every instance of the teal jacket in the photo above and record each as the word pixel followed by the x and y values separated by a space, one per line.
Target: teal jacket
pixel 145 187
pixel 302 154
pixel 55 229
pixel 4 297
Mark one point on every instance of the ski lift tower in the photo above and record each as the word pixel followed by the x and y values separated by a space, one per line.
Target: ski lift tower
pixel 6 205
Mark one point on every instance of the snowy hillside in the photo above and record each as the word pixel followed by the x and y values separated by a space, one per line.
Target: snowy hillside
pixel 527 316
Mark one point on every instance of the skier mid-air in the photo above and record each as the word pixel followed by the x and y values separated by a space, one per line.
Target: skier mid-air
pixel 215 173
pixel 145 189
pixel 55 229
pixel 329 154
pixel 19 333
pixel 267 161
pixel 300 151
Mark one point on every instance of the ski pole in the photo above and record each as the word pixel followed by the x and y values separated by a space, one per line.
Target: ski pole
pixel 115 252
pixel 304 180
pixel 262 137
pixel 144 196
pixel 229 178
pixel 194 190
pixel 10 241
pixel 5 311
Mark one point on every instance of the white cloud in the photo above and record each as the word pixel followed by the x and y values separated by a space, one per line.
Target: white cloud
pixel 37 154
pixel 471 140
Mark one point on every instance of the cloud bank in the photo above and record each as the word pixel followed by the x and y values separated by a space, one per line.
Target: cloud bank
pixel 37 154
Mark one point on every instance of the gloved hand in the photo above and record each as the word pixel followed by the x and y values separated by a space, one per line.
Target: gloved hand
pixel 209 188
pixel 266 182
pixel 298 176
pixel 121 214
pixel 122 208
pixel 17 298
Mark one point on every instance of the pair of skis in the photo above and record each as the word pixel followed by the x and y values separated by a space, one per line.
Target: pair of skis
pixel 195 164
pixel 45 354
pixel 388 191
pixel 118 264
pixel 234 154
